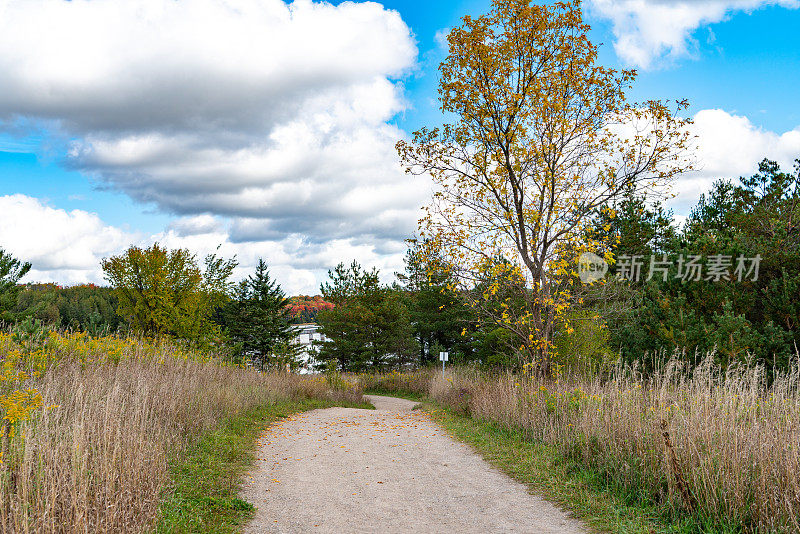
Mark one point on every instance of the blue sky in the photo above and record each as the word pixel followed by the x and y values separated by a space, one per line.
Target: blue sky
pixel 749 68
pixel 110 149
pixel 748 64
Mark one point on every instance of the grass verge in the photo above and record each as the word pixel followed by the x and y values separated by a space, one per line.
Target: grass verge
pixel 206 478
pixel 569 484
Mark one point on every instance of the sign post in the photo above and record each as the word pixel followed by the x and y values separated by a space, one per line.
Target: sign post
pixel 443 356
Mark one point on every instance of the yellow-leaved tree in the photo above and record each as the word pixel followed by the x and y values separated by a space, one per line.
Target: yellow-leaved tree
pixel 165 292
pixel 542 137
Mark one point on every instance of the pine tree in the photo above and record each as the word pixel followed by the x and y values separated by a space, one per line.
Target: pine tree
pixel 368 327
pixel 259 320
pixel 11 271
pixel 438 316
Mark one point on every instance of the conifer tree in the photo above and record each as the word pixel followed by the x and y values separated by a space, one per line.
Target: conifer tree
pixel 259 320
pixel 438 316
pixel 11 271
pixel 369 326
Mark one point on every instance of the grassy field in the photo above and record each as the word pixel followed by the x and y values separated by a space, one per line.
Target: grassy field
pixel 123 435
pixel 408 395
pixel 700 451
pixel 129 435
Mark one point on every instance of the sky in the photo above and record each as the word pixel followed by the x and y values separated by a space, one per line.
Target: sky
pixel 261 128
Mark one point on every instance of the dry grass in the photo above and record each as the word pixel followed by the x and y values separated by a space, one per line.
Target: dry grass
pixel 95 458
pixel 417 383
pixel 721 447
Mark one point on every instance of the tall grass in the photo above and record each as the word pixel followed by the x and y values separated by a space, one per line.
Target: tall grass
pixel 115 412
pixel 721 447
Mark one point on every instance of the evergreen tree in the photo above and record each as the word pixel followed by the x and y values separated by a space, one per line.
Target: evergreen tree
pixel 259 320
pixel 369 325
pixel 742 320
pixel 637 227
pixel 438 316
pixel 11 271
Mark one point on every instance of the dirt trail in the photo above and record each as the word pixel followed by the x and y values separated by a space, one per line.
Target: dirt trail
pixel 392 469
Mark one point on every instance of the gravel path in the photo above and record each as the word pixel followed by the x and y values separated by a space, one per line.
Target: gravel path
pixel 392 469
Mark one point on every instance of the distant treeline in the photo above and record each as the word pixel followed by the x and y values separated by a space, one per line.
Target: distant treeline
pixel 304 309
pixel 89 307
pixel 80 307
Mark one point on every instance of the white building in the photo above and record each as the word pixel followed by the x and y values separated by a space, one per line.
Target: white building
pixel 306 335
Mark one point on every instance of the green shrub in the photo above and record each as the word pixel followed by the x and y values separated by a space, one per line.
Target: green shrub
pixel 582 343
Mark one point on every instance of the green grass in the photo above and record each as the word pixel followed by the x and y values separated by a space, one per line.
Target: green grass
pixel 584 492
pixel 206 478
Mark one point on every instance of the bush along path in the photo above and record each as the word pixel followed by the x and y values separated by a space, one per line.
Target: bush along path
pixel 390 469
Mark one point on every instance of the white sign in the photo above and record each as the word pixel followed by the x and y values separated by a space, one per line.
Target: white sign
pixel 443 356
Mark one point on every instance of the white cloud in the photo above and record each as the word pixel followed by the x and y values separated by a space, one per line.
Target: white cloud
pixel 730 146
pixel 274 116
pixel 180 65
pixel 440 38
pixel 67 246
pixel 298 266
pixel 196 225
pixel 63 246
pixel 648 31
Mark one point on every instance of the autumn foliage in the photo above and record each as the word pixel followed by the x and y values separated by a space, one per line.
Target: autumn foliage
pixel 304 309
pixel 542 137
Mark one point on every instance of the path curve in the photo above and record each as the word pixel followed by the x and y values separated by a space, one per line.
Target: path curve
pixel 392 469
